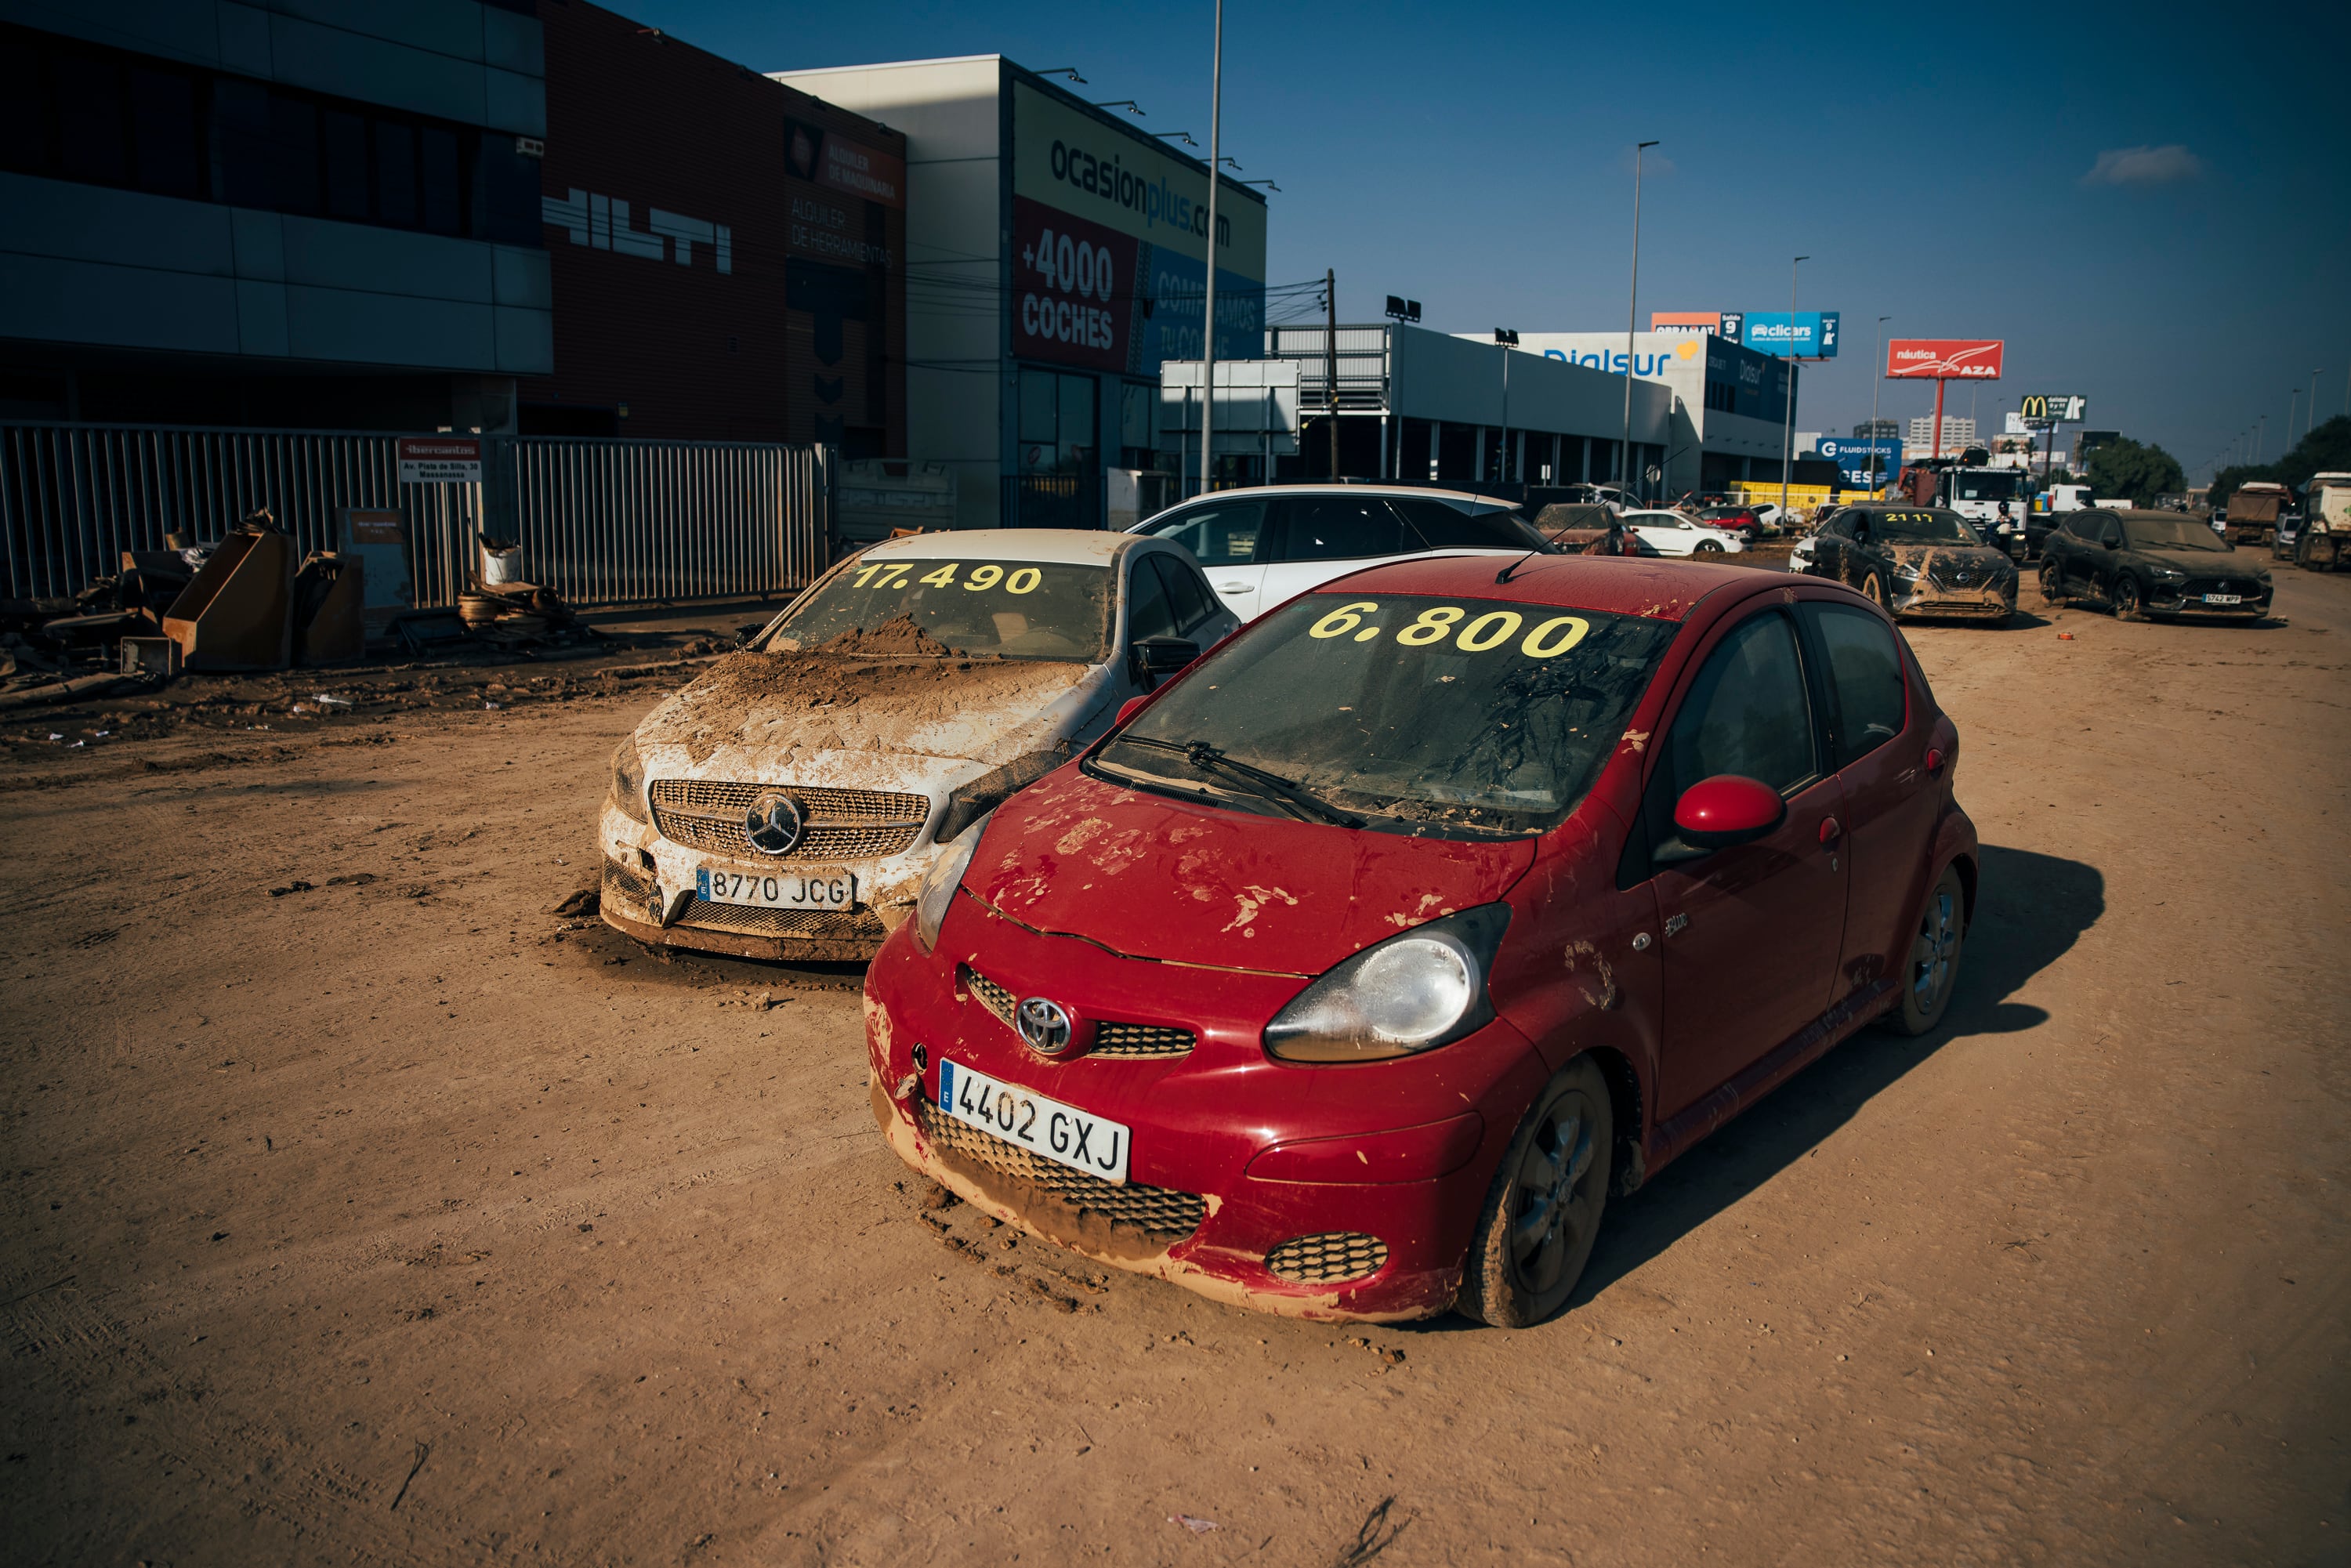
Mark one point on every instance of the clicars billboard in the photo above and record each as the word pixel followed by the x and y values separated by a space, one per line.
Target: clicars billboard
pixel 1806 335
pixel 1943 359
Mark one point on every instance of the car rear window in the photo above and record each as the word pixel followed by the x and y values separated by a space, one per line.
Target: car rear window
pixel 1442 526
pixel 1440 717
pixel 968 606
pixel 1337 528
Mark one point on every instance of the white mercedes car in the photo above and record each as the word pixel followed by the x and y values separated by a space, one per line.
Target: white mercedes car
pixel 1671 533
pixel 786 803
pixel 1265 546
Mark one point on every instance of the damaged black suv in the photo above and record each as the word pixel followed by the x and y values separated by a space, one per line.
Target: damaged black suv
pixel 2147 564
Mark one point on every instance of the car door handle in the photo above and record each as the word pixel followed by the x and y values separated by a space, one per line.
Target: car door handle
pixel 1831 831
pixel 1236 588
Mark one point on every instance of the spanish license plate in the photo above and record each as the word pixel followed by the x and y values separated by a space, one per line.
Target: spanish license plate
pixel 1046 1128
pixel 2224 599
pixel 774 890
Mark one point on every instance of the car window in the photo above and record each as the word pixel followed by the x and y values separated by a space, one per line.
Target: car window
pixel 1148 612
pixel 1443 526
pixel 1187 597
pixel 1839 527
pixel 1873 699
pixel 1747 713
pixel 2110 532
pixel 1337 528
pixel 2084 526
pixel 1224 535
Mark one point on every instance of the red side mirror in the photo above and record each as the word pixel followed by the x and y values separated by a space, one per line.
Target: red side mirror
pixel 1126 711
pixel 1726 809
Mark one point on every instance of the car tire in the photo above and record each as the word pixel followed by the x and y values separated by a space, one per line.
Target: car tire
pixel 2130 603
pixel 1709 546
pixel 1931 968
pixel 1543 1209
pixel 2052 585
pixel 1872 588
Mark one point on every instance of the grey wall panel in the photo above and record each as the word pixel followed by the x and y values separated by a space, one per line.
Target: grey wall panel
pixel 521 278
pixel 326 254
pixel 94 223
pixel 526 344
pixel 244 32
pixel 176 29
pixel 512 43
pixel 452 28
pixel 260 244
pixel 261 318
pixel 381 330
pixel 59 301
pixel 512 101
pixel 327 60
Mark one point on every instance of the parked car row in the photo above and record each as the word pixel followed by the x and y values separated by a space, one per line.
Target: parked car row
pixel 1338 951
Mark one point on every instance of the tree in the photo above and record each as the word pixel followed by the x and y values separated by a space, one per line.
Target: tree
pixel 2325 450
pixel 2125 467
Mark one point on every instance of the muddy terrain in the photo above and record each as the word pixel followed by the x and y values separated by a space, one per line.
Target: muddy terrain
pixel 361 1210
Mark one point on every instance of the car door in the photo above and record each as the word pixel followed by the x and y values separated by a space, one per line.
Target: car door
pixel 1317 538
pixel 1198 614
pixel 2086 554
pixel 1751 934
pixel 1656 533
pixel 1227 539
pixel 1877 739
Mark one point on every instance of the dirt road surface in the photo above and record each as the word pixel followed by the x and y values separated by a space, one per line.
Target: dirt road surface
pixel 359 1211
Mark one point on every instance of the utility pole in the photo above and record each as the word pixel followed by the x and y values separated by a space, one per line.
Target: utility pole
pixel 1876 381
pixel 1788 429
pixel 2292 402
pixel 2261 430
pixel 2310 408
pixel 1216 176
pixel 1632 317
pixel 1331 360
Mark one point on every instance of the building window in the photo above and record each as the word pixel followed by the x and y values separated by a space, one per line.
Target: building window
pixel 70 110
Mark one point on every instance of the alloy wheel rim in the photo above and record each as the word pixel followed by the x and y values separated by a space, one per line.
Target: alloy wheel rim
pixel 1553 1207
pixel 1931 955
pixel 1873 589
pixel 2126 596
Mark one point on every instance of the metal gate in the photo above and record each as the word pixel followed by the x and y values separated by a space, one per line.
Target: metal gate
pixel 600 521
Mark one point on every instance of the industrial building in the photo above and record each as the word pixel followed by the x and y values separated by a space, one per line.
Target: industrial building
pixel 272 213
pixel 1056 256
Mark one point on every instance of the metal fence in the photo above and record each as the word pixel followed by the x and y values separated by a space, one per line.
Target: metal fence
pixel 600 521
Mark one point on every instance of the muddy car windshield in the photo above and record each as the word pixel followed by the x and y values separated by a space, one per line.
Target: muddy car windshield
pixel 1920 528
pixel 1010 609
pixel 1443 717
pixel 2163 533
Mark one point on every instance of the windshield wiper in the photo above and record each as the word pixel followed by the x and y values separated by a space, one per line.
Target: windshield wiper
pixel 1208 760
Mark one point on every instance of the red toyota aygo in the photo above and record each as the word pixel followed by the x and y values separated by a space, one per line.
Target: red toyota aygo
pixel 1352 972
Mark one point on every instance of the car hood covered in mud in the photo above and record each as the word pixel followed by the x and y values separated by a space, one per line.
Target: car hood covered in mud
pixel 1949 565
pixel 1150 877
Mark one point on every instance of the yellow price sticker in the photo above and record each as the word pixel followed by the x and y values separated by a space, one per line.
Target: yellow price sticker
pixel 984 576
pixel 1434 625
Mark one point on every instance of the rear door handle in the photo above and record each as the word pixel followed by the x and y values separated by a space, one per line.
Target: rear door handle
pixel 1236 588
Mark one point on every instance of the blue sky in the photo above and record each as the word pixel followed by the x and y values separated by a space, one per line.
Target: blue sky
pixel 2151 203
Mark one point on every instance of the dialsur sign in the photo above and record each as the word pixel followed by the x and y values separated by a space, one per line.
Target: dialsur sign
pixel 1943 359
pixel 440 460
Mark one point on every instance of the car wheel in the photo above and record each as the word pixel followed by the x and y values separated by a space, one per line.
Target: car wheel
pixel 2053 584
pixel 2127 605
pixel 1709 546
pixel 1872 588
pixel 1933 966
pixel 1542 1211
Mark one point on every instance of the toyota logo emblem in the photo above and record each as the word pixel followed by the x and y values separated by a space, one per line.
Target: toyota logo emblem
pixel 773 823
pixel 1045 1026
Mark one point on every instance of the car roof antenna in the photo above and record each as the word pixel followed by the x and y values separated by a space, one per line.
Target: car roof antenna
pixel 1504 575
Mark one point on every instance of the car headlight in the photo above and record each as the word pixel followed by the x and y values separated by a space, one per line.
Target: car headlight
pixel 2169 574
pixel 1905 572
pixel 629 781
pixel 939 883
pixel 1413 992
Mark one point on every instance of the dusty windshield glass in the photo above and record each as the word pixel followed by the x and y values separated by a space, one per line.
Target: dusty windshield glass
pixel 1009 609
pixel 2163 533
pixel 1921 527
pixel 1447 717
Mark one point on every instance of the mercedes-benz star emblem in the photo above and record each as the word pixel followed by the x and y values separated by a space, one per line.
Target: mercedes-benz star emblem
pixel 1044 1025
pixel 773 823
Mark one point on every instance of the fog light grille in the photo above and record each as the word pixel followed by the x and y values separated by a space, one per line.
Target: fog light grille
pixel 748 920
pixel 1163 1213
pixel 1332 1256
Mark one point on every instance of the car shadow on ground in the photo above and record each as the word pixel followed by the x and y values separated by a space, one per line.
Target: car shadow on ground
pixel 2033 909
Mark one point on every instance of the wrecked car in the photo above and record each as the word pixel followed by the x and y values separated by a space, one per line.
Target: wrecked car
pixel 1353 971
pixel 786 803
pixel 2145 564
pixel 1914 561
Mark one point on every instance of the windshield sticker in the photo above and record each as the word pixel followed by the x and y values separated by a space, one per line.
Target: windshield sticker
pixel 984 576
pixel 1548 639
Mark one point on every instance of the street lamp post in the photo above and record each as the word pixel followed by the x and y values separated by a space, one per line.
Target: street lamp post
pixel 1876 381
pixel 1788 429
pixel 1632 316
pixel 2292 402
pixel 2310 408
pixel 1208 339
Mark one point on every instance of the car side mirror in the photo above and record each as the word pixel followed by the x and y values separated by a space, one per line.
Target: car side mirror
pixel 1126 710
pixel 1157 656
pixel 2111 542
pixel 1718 812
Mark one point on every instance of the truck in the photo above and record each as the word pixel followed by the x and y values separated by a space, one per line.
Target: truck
pixel 2323 543
pixel 2252 514
pixel 1975 489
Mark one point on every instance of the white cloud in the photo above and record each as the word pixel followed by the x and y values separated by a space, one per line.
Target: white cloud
pixel 2144 166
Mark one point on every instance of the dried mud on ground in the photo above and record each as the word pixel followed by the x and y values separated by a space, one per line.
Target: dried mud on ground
pixel 358 1209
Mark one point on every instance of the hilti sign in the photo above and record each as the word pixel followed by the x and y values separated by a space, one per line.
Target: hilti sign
pixel 1944 359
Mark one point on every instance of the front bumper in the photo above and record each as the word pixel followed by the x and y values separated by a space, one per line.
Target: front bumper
pixel 647 892
pixel 1200 1207
pixel 2175 602
pixel 1984 601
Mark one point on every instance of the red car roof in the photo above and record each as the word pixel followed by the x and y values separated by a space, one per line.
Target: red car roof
pixel 1619 585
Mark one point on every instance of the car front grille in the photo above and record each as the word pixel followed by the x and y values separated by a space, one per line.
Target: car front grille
pixel 2198 586
pixel 627 885
pixel 1332 1256
pixel 1138 1039
pixel 748 920
pixel 1163 1214
pixel 842 824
